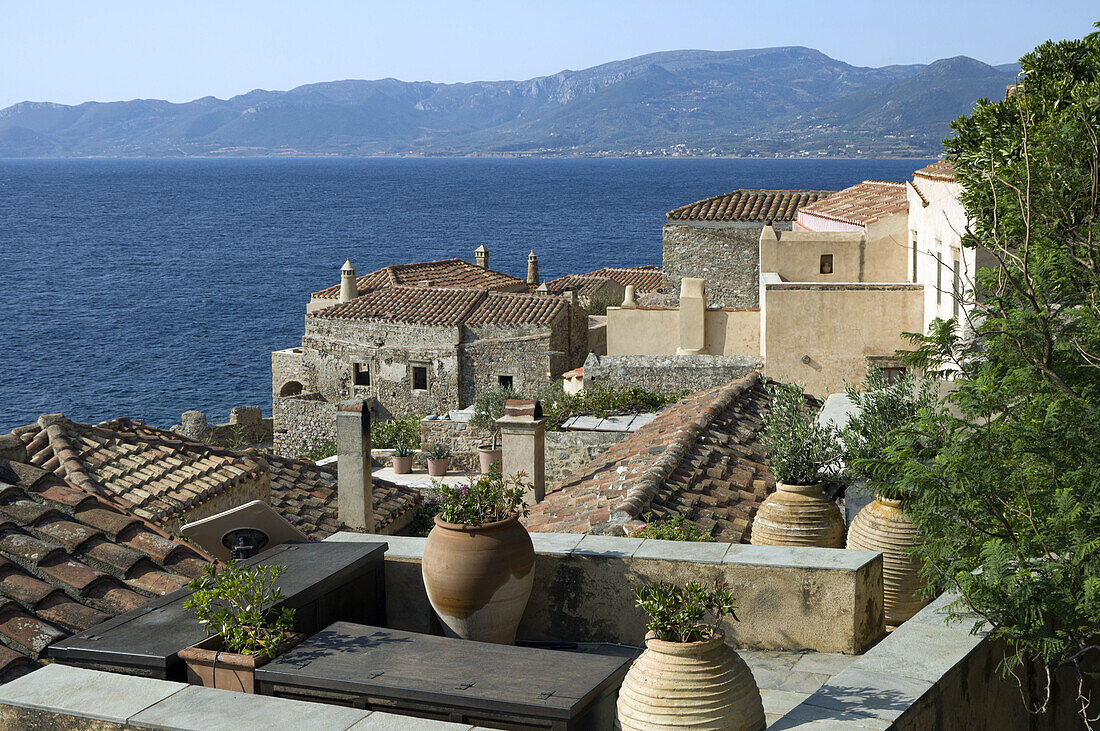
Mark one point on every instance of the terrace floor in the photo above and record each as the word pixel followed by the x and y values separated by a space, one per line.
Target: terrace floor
pixel 788 678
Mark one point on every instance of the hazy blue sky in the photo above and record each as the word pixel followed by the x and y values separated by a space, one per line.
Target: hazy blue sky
pixel 77 51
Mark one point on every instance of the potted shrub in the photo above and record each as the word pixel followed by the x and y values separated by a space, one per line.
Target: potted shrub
pixel 886 409
pixel 688 677
pixel 802 454
pixel 402 460
pixel 479 561
pixel 489 407
pixel 243 632
pixel 439 460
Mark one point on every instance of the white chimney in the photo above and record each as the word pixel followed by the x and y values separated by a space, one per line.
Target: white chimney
pixel 348 290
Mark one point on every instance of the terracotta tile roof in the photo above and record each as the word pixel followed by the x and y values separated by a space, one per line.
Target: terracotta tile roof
pixel 157 474
pixel 70 560
pixel 582 284
pixel 862 204
pixel 748 205
pixel 939 170
pixel 700 458
pixel 443 273
pixel 647 278
pixel 447 307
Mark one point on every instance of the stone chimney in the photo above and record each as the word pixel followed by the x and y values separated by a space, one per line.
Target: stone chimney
pixel 523 445
pixel 348 290
pixel 481 257
pixel 693 313
pixel 532 270
pixel 628 297
pixel 354 492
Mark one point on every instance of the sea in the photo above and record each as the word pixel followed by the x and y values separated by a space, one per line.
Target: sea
pixel 144 288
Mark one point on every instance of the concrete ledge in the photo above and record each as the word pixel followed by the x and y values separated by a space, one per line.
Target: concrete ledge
pixel 821 599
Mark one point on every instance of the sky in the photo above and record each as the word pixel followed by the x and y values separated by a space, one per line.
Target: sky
pixel 70 52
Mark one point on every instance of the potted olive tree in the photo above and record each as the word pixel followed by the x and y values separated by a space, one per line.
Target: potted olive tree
pixel 244 633
pixel 883 422
pixel 439 460
pixel 802 454
pixel 402 459
pixel 488 407
pixel 688 677
pixel 479 562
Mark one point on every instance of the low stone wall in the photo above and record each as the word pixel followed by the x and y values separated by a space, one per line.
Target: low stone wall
pixel 457 434
pixel 246 426
pixel 666 373
pixel 302 423
pixel 828 600
pixel 568 451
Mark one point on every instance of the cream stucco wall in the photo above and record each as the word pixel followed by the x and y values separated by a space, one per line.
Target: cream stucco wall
pixel 876 254
pixel 656 331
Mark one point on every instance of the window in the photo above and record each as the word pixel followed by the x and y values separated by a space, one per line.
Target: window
pixel 504 381
pixel 913 245
pixel 892 367
pixel 420 377
pixel 826 266
pixel 956 285
pixel 360 373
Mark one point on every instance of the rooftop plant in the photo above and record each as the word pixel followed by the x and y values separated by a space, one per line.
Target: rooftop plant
pixel 673 528
pixel 801 451
pixel 488 407
pixel 487 499
pixel 319 451
pixel 680 613
pixel 402 450
pixel 439 451
pixel 599 401
pixel 236 603
pixel 401 430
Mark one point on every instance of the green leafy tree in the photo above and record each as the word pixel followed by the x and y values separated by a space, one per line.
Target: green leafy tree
pixel 488 407
pixel 801 450
pixel 1006 477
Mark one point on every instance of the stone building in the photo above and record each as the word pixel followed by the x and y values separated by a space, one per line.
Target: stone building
pixel 717 239
pixel 608 285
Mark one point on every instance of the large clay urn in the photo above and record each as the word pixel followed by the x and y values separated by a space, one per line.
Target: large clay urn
pixel 690 685
pixel 798 515
pixel 478 578
pixel 883 526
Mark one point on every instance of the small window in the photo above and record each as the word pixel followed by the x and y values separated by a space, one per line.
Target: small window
pixel 893 374
pixel 361 373
pixel 826 266
pixel 504 381
pixel 420 378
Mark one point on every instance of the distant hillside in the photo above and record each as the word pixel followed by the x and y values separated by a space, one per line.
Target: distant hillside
pixel 772 101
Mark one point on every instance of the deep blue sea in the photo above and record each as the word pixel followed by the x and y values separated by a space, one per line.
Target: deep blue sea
pixel 144 288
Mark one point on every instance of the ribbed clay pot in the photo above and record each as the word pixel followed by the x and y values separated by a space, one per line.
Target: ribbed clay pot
pixel 883 526
pixel 478 578
pixel 798 515
pixel 690 685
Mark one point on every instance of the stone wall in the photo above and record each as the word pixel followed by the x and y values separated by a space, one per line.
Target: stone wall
pixel 725 254
pixel 289 375
pixel 246 426
pixel 302 423
pixel 568 451
pixel 666 373
pixel 457 434
pixel 528 360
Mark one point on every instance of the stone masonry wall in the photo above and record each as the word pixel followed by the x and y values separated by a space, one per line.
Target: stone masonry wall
pixel 726 255
pixel 568 451
pixel 666 373
pixel 462 438
pixel 302 423
pixel 527 360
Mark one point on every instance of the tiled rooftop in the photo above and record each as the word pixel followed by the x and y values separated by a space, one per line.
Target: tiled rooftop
pixel 860 205
pixel 644 278
pixel 448 307
pixel 700 458
pixel 748 205
pixel 70 560
pixel 582 284
pixel 455 273
pixel 939 170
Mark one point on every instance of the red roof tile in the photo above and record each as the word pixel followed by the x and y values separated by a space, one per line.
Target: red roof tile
pixel 447 307
pixel 860 205
pixel 939 170
pixel 446 273
pixel 645 278
pixel 748 205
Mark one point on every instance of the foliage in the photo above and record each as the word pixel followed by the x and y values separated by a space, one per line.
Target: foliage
pixel 886 408
pixel 801 451
pixel 422 522
pixel 600 301
pixel 675 528
pixel 403 430
pixel 319 451
pixel 597 400
pixel 236 602
pixel 487 499
pixel 488 407
pixel 439 451
pixel 1006 474
pixel 402 450
pixel 679 613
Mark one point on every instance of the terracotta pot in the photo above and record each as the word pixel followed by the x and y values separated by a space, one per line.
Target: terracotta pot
pixel 488 457
pixel 478 578
pixel 402 465
pixel 690 685
pixel 211 667
pixel 438 467
pixel 883 526
pixel 798 515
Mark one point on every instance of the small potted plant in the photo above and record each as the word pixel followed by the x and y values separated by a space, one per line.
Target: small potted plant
pixel 243 632
pixel 489 407
pixel 402 460
pixel 439 460
pixel 479 562
pixel 688 677
pixel 802 454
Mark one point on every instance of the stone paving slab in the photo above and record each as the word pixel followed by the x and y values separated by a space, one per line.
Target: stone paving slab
pixel 829 663
pixel 419 478
pixel 799 556
pixel 206 709
pixel 379 721
pixel 594 545
pixel 919 651
pixel 868 693
pixel 697 551
pixel 815 718
pixel 562 543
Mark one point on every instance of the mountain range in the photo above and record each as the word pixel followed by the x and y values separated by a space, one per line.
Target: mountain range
pixel 787 101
